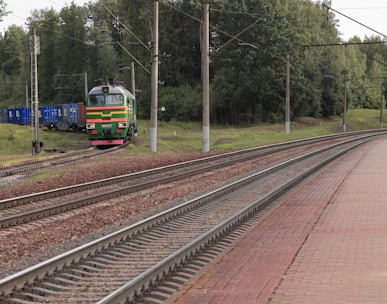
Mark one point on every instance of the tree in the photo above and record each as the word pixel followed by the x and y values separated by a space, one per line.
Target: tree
pixel 249 43
pixel 3 10
pixel 249 70
pixel 70 60
pixel 47 27
pixel 14 66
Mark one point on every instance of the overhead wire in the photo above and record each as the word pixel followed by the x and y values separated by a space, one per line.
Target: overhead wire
pixel 88 43
pixel 131 55
pixel 344 44
pixel 362 24
pixel 233 37
pixel 115 16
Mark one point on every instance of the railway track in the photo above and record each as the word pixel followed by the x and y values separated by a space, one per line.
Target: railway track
pixel 14 168
pixel 126 265
pixel 22 210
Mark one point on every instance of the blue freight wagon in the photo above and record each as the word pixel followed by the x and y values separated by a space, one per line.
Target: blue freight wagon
pixel 67 116
pixel 48 116
pixel 4 115
pixel 19 116
pixel 64 117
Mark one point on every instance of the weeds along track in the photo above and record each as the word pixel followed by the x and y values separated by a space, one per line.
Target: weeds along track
pixel 38 206
pixel 123 266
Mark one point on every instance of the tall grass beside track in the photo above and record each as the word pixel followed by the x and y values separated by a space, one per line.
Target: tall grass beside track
pixel 186 138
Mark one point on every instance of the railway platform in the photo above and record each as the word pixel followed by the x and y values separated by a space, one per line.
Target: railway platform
pixel 325 243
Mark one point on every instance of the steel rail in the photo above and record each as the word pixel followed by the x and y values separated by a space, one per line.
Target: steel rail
pixel 134 289
pixel 17 201
pixel 37 272
pixel 29 216
pixel 9 169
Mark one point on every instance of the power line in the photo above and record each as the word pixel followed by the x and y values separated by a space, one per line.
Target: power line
pixel 231 36
pixel 378 61
pixel 344 44
pixel 362 24
pixel 115 16
pixel 363 8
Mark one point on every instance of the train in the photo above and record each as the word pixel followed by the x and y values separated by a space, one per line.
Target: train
pixel 111 115
pixel 63 117
pixel 108 115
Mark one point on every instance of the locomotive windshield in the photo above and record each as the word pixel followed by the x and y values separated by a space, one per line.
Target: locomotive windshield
pixel 111 99
pixel 97 100
pixel 115 99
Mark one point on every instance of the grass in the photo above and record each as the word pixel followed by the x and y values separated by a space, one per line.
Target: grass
pixel 183 138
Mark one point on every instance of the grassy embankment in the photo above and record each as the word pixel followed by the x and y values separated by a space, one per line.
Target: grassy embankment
pixel 179 138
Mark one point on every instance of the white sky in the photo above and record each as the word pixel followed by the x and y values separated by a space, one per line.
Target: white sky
pixel 372 13
pixel 21 9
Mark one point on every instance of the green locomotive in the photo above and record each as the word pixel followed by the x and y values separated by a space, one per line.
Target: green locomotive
pixel 111 115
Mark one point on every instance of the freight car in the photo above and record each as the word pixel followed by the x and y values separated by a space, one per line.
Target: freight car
pixel 19 116
pixel 63 117
pixel 4 116
pixel 111 115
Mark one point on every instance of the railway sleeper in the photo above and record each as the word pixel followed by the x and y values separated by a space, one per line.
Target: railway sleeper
pixel 26 297
pixel 158 295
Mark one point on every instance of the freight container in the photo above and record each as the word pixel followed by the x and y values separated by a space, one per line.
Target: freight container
pixel 19 116
pixel 4 115
pixel 81 123
pixel 48 116
pixel 67 116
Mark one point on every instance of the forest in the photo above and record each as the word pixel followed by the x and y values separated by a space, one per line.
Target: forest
pixel 250 41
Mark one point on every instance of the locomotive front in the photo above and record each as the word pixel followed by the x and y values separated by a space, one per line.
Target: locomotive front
pixel 110 115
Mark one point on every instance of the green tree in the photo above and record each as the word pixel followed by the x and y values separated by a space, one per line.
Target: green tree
pixel 3 10
pixel 14 66
pixel 72 54
pixel 250 71
pixel 46 24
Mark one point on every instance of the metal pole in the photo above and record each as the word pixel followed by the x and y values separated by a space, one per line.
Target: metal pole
pixel 133 79
pixel 287 101
pixel 345 106
pixel 26 83
pixel 381 107
pixel 206 77
pixel 154 81
pixel 32 111
pixel 36 113
pixel 86 86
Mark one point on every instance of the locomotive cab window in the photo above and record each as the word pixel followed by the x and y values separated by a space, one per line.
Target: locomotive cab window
pixel 97 100
pixel 115 99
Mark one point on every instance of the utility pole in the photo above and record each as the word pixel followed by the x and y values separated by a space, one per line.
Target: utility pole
pixel 206 80
pixel 154 81
pixel 86 86
pixel 26 86
pixel 345 105
pixel 381 106
pixel 133 79
pixel 287 101
pixel 34 48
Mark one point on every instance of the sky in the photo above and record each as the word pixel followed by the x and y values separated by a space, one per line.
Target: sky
pixel 371 13
pixel 21 9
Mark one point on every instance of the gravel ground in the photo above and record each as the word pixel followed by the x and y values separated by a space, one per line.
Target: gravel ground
pixel 26 245
pixel 85 171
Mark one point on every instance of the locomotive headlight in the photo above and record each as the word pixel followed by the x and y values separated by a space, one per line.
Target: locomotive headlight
pixel 122 125
pixel 90 126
